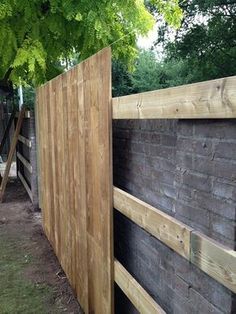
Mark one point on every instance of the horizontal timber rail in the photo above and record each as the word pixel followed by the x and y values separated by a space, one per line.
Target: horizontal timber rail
pixel 135 293
pixel 205 100
pixel 24 162
pixel 216 260
pixel 26 157
pixel 164 227
pixel 25 141
pixel 25 184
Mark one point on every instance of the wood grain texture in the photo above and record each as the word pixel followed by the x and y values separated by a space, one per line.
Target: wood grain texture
pixel 216 260
pixel 135 293
pixel 165 228
pixel 206 100
pixel 74 133
pixel 98 165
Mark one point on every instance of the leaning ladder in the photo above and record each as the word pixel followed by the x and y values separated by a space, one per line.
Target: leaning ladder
pixel 11 154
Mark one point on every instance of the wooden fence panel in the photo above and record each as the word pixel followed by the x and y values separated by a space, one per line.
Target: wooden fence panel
pixel 74 123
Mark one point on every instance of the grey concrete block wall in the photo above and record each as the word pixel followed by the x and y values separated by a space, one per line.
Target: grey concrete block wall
pixel 186 168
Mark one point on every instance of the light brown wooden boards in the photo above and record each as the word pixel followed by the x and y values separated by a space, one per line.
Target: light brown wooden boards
pixel 135 293
pixel 11 153
pixel 214 259
pixel 164 227
pixel 206 100
pixel 74 123
pixel 99 188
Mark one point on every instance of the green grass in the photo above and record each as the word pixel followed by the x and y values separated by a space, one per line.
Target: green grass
pixel 17 293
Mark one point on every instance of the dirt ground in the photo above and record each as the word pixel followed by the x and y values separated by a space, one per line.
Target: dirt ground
pixel 31 279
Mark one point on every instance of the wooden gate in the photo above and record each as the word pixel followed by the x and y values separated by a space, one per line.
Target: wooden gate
pixel 74 137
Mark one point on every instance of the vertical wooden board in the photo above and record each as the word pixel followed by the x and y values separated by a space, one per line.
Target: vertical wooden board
pixel 80 198
pixel 69 126
pixel 59 164
pixel 43 130
pixel 66 210
pixel 39 118
pixel 97 93
pixel 54 140
pixel 72 144
pixel 43 154
pixel 74 116
pixel 38 145
pixel 54 161
pixel 50 161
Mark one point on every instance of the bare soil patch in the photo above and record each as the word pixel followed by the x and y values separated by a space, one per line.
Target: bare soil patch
pixel 31 279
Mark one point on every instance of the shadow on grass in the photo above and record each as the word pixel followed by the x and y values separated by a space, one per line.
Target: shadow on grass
pixel 19 294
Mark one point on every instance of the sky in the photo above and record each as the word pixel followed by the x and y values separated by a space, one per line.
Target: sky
pixel 147 42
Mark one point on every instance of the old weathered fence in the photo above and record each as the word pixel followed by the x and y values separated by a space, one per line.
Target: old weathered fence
pixel 74 127
pixel 74 135
pixel 26 157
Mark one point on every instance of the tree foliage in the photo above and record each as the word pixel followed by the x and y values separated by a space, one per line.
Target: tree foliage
pixel 121 79
pixel 35 35
pixel 206 39
pixel 204 48
pixel 150 74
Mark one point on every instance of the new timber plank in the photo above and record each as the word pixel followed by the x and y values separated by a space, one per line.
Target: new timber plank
pixel 164 227
pixel 216 260
pixel 205 100
pixel 98 126
pixel 74 123
pixel 135 293
pixel 80 195
pixel 60 166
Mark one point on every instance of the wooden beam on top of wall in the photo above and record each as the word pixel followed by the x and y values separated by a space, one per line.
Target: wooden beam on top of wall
pixel 165 228
pixel 24 162
pixel 216 260
pixel 205 100
pixel 25 141
pixel 135 293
